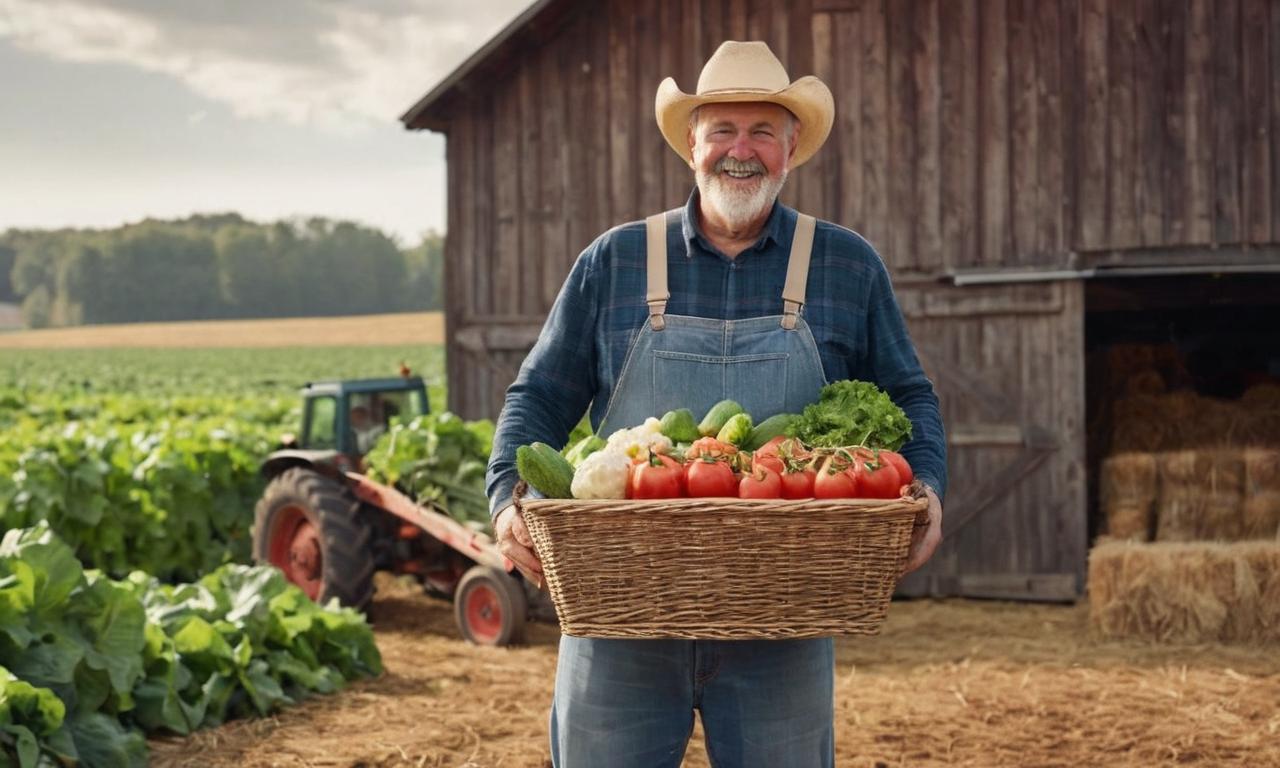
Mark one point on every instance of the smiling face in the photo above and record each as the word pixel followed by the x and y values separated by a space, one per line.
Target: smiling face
pixel 741 155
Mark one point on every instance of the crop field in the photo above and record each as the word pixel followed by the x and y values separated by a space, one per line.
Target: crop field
pixel 114 445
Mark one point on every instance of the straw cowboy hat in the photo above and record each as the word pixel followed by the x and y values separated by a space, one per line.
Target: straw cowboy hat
pixel 747 72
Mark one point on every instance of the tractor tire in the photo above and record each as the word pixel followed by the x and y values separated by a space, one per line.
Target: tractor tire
pixel 490 607
pixel 309 526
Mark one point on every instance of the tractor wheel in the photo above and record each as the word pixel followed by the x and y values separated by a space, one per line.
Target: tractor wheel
pixel 309 527
pixel 490 607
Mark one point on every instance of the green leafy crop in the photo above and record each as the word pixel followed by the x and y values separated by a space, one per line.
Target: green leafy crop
pixel 849 413
pixel 88 664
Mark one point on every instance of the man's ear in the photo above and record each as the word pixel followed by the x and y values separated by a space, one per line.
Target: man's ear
pixel 692 139
pixel 795 142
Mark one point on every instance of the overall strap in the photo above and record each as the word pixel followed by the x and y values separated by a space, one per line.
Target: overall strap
pixel 657 294
pixel 797 270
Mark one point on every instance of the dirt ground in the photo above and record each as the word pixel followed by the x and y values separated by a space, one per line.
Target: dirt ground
pixel 362 330
pixel 953 682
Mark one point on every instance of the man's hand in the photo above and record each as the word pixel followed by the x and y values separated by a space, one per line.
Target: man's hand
pixel 516 544
pixel 925 539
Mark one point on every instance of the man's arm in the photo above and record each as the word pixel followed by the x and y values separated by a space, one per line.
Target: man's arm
pixel 894 367
pixel 555 385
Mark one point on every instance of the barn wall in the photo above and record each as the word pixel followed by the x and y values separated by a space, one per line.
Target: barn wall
pixel 1001 134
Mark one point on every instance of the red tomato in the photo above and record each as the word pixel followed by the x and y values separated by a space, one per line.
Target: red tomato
pixel 876 480
pixel 771 448
pixel 773 462
pixel 798 484
pixel 833 481
pixel 708 477
pixel 657 477
pixel 760 484
pixel 905 475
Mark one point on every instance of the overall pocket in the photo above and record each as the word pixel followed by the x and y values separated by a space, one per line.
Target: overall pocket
pixel 697 382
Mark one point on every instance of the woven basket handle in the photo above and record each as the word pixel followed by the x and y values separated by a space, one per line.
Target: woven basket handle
pixel 517 496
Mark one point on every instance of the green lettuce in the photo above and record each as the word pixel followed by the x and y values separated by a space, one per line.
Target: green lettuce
pixel 851 413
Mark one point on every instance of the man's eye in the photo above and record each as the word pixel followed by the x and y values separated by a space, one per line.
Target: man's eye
pixel 764 133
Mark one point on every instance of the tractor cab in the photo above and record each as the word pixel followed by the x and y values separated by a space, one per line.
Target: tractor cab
pixel 342 421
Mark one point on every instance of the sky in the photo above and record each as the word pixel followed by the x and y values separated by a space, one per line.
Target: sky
pixel 113 111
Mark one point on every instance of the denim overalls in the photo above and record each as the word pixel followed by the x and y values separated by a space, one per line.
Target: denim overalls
pixel 629 703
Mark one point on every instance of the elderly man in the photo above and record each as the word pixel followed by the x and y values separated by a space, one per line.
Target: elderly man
pixel 733 296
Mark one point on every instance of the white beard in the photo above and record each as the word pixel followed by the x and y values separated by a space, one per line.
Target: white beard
pixel 739 207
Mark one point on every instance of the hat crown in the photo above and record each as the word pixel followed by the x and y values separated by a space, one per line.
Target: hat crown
pixel 738 66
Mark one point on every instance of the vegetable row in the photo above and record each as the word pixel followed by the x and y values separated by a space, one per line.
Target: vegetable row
pixel 842 446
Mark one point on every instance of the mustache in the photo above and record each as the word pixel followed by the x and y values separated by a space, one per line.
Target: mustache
pixel 727 163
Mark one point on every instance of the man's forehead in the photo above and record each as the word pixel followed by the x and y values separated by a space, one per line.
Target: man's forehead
pixel 735 111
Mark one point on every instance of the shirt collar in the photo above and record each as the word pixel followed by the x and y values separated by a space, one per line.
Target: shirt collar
pixel 778 230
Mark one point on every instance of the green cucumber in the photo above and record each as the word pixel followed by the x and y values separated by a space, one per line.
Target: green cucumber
pixel 680 426
pixel 715 419
pixel 772 427
pixel 543 468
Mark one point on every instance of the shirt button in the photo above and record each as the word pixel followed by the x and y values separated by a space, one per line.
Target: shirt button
pixel 733 265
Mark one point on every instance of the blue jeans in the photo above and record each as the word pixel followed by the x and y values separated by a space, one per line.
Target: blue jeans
pixel 630 703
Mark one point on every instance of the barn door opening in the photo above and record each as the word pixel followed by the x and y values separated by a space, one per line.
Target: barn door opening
pixel 1182 389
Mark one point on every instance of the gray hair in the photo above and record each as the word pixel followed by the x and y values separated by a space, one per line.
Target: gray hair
pixel 788 129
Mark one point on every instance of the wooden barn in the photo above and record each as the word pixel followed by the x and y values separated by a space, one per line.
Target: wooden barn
pixel 1065 191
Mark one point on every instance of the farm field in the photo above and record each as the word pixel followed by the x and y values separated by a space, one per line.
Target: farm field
pixel 391 329
pixel 955 682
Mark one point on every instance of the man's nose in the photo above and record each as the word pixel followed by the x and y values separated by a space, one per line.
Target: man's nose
pixel 741 147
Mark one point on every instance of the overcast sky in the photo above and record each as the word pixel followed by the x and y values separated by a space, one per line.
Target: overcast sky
pixel 115 110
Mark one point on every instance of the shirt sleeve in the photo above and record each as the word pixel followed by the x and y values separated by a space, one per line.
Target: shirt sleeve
pixel 556 382
pixel 894 366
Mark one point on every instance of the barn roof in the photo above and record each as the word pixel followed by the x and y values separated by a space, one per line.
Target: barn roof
pixel 536 24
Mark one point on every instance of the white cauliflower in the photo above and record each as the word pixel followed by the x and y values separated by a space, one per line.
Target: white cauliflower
pixel 602 475
pixel 637 442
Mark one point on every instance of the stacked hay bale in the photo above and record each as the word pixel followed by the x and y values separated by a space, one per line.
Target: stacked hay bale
pixel 1186 591
pixel 1191 499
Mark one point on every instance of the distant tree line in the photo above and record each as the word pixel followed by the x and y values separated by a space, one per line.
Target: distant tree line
pixel 211 267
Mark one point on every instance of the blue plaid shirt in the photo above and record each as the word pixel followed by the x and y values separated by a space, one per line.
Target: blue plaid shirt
pixel 849 306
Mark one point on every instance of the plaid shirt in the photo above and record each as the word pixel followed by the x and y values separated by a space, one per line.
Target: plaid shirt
pixel 849 306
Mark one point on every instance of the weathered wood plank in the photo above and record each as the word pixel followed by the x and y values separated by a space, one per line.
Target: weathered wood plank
pixel 652 46
pixel 599 143
pixel 1274 25
pixel 958 138
pixel 827 189
pixel 1024 127
pixel 530 166
pixel 1067 390
pixel 1050 190
pixel 1092 198
pixel 556 179
pixel 622 141
pixel 507 274
pixel 1256 149
pixel 1069 123
pixel 1199 144
pixel 735 19
pixel 997 236
pixel 1175 173
pixel 458 259
pixel 1122 160
pixel 874 55
pixel 899 251
pixel 925 55
pixel 484 224
pixel 1226 121
pixel 1149 109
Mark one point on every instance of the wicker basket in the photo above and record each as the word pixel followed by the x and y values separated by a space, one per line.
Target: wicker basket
pixel 721 568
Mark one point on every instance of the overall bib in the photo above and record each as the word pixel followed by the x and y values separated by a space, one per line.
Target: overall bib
pixel 629 703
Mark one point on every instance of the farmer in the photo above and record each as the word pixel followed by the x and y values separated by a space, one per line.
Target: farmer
pixel 737 296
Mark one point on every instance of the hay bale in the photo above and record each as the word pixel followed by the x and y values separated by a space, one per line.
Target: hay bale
pixel 1200 495
pixel 1261 516
pixel 1261 470
pixel 1261 509
pixel 1186 592
pixel 1128 494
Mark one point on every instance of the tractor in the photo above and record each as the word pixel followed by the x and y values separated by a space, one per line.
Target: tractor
pixel 329 527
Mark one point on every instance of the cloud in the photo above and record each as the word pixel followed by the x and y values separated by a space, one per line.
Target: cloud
pixel 325 62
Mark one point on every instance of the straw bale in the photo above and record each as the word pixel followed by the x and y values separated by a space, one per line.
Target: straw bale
pixel 1262 395
pixel 1260 516
pixel 1200 495
pixel 1148 382
pixel 1128 494
pixel 1185 592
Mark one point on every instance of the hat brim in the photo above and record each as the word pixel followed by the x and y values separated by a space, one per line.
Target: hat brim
pixel 808 99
